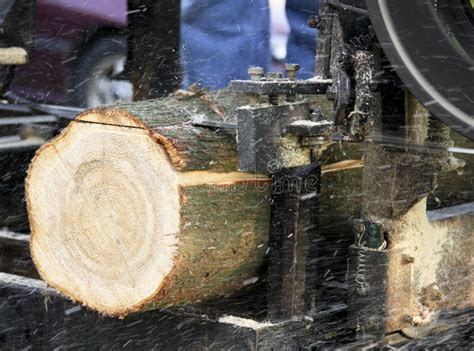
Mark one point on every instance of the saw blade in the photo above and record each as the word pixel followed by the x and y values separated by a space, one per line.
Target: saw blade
pixel 430 44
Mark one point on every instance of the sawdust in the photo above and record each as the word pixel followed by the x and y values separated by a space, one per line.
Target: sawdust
pixel 245 323
pixel 320 80
pixel 425 242
pixel 13 56
pixel 304 122
pixel 419 238
pixel 292 153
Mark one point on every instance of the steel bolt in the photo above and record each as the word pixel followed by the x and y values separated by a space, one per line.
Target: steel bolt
pixel 256 73
pixel 272 76
pixel 292 70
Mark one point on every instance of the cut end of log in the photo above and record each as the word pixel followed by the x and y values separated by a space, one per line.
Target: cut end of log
pixel 109 237
pixel 116 226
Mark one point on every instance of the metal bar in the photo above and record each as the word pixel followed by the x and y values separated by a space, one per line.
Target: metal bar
pixel 15 108
pixel 450 212
pixel 21 145
pixel 27 120
pixel 9 139
pixel 339 5
pixel 295 210
pixel 280 87
pixel 399 143
pixel 67 112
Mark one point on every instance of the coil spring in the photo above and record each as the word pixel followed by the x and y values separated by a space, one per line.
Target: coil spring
pixel 361 281
pixel 361 270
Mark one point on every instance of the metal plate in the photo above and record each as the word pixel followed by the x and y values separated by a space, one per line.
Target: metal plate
pixel 280 87
pixel 431 46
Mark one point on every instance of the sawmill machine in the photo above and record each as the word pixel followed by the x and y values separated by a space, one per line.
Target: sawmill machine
pixel 372 205
pixel 400 76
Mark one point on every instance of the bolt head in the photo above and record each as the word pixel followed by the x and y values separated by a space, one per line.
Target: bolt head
pixel 256 70
pixel 292 67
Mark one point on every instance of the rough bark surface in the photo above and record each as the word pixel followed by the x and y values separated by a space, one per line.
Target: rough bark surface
pixel 169 122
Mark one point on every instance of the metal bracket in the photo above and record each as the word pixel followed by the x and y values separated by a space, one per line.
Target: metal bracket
pixel 280 86
pixel 261 143
pixel 292 267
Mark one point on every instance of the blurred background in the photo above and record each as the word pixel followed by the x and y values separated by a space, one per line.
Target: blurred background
pixel 79 50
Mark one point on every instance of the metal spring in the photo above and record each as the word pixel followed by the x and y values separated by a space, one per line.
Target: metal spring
pixel 361 271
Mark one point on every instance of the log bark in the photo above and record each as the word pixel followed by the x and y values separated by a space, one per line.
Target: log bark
pixel 133 208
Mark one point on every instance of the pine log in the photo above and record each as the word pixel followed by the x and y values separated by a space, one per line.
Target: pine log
pixel 133 208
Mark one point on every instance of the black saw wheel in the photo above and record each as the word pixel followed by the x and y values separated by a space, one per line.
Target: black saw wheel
pixel 430 43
